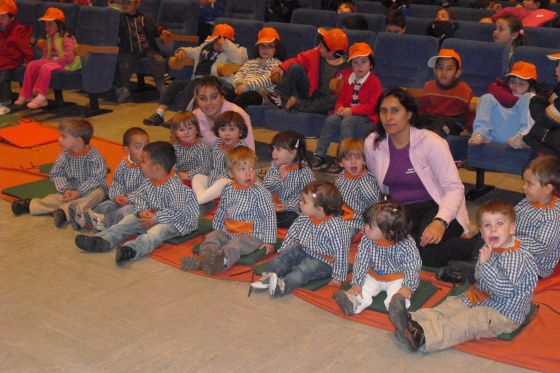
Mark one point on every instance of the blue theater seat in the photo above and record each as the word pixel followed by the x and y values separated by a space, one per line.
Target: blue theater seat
pixel 314 17
pixel 296 38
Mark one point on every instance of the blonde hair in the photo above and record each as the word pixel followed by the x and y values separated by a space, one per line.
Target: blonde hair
pixel 77 127
pixel 239 154
pixel 350 146
pixel 180 119
pixel 495 207
pixel 547 170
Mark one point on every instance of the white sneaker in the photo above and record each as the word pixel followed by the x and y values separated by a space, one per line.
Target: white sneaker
pixel 97 221
pixel 263 282
pixel 517 142
pixel 4 109
pixel 76 216
pixel 478 139
pixel 276 285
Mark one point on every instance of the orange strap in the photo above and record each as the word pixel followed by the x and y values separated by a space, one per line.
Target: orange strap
pixel 347 213
pixel 475 295
pixel 276 198
pixel 237 226
pixel 386 278
pixel 328 258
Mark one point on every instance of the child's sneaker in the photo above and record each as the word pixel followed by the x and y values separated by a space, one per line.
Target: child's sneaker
pixel 94 220
pixel 191 263
pixel 92 244
pixel 154 120
pixel 122 94
pixel 517 142
pixel 407 331
pixel 77 218
pixel 318 163
pixel 478 139
pixel 38 102
pixel 213 261
pixel 123 254
pixel 272 99
pixel 20 206
pixel 276 285
pixel 334 169
pixel 263 283
pixel 21 101
pixel 4 109
pixel 59 218
pixel 346 301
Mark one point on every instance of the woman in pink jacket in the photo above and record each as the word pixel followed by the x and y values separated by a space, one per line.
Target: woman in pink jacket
pixel 415 167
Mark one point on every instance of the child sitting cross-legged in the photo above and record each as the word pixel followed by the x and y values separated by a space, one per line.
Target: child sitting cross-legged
pixel 499 303
pixel 163 208
pixel 244 222
pixel 387 260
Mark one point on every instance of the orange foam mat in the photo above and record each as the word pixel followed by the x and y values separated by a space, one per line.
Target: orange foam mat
pixel 29 133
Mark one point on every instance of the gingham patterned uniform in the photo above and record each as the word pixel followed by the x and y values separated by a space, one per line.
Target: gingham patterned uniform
pixel 195 158
pixel 358 194
pixel 543 226
pixel 218 170
pixel 289 190
pixel 510 279
pixel 82 173
pixel 125 180
pixel 174 203
pixel 330 238
pixel 251 205
pixel 402 257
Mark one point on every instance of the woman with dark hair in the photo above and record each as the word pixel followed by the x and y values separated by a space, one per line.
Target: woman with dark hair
pixel 416 168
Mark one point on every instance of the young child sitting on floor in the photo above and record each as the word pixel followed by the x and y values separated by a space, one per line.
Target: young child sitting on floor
pixel 316 246
pixel 245 219
pixel 163 208
pixel 78 175
pixel 500 302
pixel 387 260
pixel 288 174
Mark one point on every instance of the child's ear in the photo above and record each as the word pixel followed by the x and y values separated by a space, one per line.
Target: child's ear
pixel 293 153
pixel 549 189
pixel 512 229
pixel 126 150
pixel 230 174
pixel 458 73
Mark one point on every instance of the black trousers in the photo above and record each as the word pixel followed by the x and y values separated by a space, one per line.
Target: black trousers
pixel 6 86
pixel 126 60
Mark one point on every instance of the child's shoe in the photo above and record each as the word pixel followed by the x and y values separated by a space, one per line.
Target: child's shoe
pixel 272 99
pixel 4 109
pixel 38 102
pixel 21 101
pixel 413 335
pixel 334 169
pixel 191 263
pixel 123 254
pixel 517 142
pixel 154 120
pixel 478 139
pixel 213 261
pixel 407 331
pixel 291 103
pixel 92 244
pixel 77 218
pixel 263 283
pixel 122 94
pixel 94 220
pixel 318 163
pixel 276 285
pixel 20 206
pixel 346 301
pixel 59 218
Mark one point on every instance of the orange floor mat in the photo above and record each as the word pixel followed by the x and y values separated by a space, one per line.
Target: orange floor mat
pixel 29 133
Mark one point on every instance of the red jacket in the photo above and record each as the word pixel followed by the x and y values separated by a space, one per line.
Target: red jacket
pixel 15 46
pixel 311 62
pixel 369 93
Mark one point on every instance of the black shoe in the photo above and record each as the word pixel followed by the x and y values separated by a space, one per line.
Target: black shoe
pixel 124 254
pixel 59 218
pixel 407 331
pixel 272 99
pixel 447 274
pixel 154 120
pixel 318 163
pixel 20 206
pixel 92 244
pixel 414 335
pixel 334 169
pixel 213 261
pixel 123 94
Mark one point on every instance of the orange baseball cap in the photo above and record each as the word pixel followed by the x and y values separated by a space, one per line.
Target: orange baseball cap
pixel 554 57
pixel 335 39
pixel 523 70
pixel 8 7
pixel 445 53
pixel 53 14
pixel 359 50
pixel 224 30
pixel 267 35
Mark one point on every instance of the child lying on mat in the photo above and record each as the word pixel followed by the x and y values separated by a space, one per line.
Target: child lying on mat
pixel 390 256
pixel 244 222
pixel 499 303
pixel 78 174
pixel 164 208
pixel 316 246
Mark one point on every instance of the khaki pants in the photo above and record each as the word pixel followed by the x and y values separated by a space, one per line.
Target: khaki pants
pixel 52 202
pixel 453 322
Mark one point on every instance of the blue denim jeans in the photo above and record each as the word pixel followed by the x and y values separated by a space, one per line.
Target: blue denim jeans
pixel 113 212
pixel 147 240
pixel 297 268
pixel 335 125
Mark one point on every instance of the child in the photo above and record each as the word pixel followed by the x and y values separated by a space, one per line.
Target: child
pixel 219 48
pixel 127 179
pixel 288 174
pixel 444 102
pixel 78 175
pixel 163 208
pixel 193 155
pixel 316 246
pixel 245 219
pixel 58 54
pixel 15 50
pixel 254 75
pixel 209 11
pixel 507 276
pixel 395 22
pixel 442 27
pixel 509 31
pixel 387 260
pixel 231 130
pixel 358 186
pixel 355 104
pixel 497 123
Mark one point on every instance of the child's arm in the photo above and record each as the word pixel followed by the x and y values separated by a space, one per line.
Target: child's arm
pixel 190 52
pixel 272 180
pixel 59 175
pixel 412 264
pixel 218 220
pixel 234 53
pixel 369 189
pixel 137 200
pixel 263 81
pixel 502 93
pixel 24 42
pixel 374 89
pixel 340 245
pixel 182 208
pixel 293 232
pixel 117 187
pixel 97 173
pixel 68 44
pixel 265 223
pixel 502 276
pixel 362 262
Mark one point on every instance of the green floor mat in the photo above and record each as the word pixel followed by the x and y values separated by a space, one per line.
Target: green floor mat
pixel 204 226
pixel 34 189
pixel 45 168
pixel 250 258
pixel 430 269
pixel 8 120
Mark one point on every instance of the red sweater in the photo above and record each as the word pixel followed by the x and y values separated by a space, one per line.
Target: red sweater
pixel 368 95
pixel 311 62
pixel 445 102
pixel 15 46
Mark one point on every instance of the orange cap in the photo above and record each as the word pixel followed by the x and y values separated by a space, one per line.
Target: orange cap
pixel 335 39
pixel 224 30
pixel 8 7
pixel 445 53
pixel 53 14
pixel 267 35
pixel 554 57
pixel 359 50
pixel 523 70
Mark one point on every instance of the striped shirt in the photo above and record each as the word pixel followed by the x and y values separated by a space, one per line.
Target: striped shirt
pixel 127 178
pixel 327 240
pixel 253 204
pixel 255 74
pixel 193 158
pixel 358 193
pixel 288 190
pixel 401 257
pixel 219 152
pixel 175 204
pixel 509 278
pixel 542 225
pixel 82 172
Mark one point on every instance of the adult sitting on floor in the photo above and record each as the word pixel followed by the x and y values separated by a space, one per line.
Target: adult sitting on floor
pixel 416 168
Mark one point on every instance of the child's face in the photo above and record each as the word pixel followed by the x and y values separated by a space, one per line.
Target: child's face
pixel 5 20
pixel 557 71
pixel 130 6
pixel 210 101
pixel 308 208
pixel 244 173
pixel 229 134
pixel 442 15
pixel 497 229
pixel 446 71
pixel 534 191
pixel 518 86
pixel 218 45
pixel 353 163
pixel 186 133
pixel 267 50
pixel 282 156
pixel 395 29
pixel 150 169
pixel 51 28
pixel 530 5
pixel 361 66
pixel 502 34
pixel 325 53
pixel 70 143
pixel 373 232
pixel 135 146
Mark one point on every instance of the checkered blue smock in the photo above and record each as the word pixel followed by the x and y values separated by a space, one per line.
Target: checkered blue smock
pixel 288 190
pixel 127 178
pixel 193 158
pixel 358 193
pixel 81 172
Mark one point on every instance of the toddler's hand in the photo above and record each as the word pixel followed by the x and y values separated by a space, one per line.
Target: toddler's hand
pixel 484 253
pixel 268 247
pixel 121 200
pixel 345 112
pixel 335 283
pixel 355 290
pixel 70 195
pixel 239 89
pixel 184 175
pixel 405 292
pixel 180 54
pixel 279 207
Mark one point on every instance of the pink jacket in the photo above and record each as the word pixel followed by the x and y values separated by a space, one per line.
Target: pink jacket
pixel 432 160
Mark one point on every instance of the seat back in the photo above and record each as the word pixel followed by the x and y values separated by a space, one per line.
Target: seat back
pixel 376 22
pixel 296 38
pixel 471 14
pixel 475 31
pixel 246 31
pixel 360 36
pixel 179 16
pixel 150 8
pixel 544 37
pixel 245 9
pixel 314 17
pixel 537 56
pixel 28 13
pixel 423 11
pixel 417 25
pixel 371 7
pixel 313 4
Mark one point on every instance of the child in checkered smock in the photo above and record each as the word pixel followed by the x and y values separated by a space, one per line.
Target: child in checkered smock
pixel 316 246
pixel 287 175
pixel 387 260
